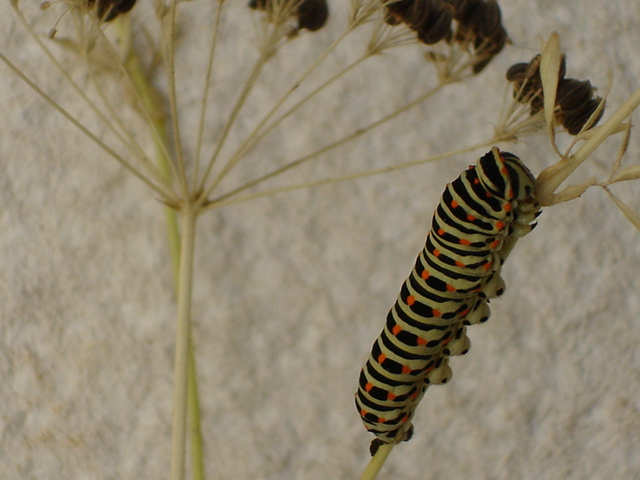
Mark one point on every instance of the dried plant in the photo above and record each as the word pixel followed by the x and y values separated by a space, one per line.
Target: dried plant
pixel 136 104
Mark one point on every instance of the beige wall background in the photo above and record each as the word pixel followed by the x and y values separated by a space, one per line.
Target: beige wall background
pixel 292 289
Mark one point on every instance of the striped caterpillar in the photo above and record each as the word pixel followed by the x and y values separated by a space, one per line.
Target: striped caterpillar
pixel 480 217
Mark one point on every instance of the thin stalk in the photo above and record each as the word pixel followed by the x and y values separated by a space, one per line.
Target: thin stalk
pixel 293 87
pixel 246 89
pixel 205 93
pixel 196 443
pixel 551 178
pixel 161 190
pixel 227 200
pixel 188 217
pixel 376 463
pixel 131 144
pixel 337 143
pixel 152 105
pixel 65 74
pixel 144 93
pixel 168 51
pixel 256 135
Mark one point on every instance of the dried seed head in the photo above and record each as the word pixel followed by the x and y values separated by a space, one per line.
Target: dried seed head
pixel 430 19
pixel 397 12
pixel 480 30
pixel 107 10
pixel 311 14
pixel 573 94
pixel 478 26
pixel 574 103
pixel 461 7
pixel 436 27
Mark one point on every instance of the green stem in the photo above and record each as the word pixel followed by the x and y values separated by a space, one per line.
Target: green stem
pixel 188 217
pixel 193 407
pixel 153 105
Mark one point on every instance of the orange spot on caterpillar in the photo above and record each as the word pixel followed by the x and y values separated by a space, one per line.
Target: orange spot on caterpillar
pixel 464 313
pixel 436 253
pixel 411 300
pixel 368 387
pixel 476 181
pixel 447 341
pixel 487 266
pixel 499 225
pixel 504 170
pixel 405 370
pixel 454 204
pixel 464 241
pixel 424 274
pixel 381 420
pixel 390 396
pixel 471 218
pixel 495 244
pixel 405 418
pixel 441 231
pixel 396 330
pixel 414 395
pixel 421 341
pixel 381 358
pixel 460 264
pixel 363 412
pixel 430 369
pixel 436 313
pixel 451 288
pixel 507 206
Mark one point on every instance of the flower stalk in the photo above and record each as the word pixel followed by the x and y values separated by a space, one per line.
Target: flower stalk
pixel 188 216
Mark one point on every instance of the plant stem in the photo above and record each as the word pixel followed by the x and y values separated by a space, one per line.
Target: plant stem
pixel 193 408
pixel 551 177
pixel 188 217
pixel 376 463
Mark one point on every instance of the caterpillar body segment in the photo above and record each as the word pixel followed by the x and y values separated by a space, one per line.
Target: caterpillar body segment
pixel 480 217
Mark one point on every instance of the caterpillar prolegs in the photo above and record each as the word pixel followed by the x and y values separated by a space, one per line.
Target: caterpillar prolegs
pixel 481 215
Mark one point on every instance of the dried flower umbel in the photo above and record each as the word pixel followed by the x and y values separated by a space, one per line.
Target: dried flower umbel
pixel 575 102
pixel 310 14
pixel 107 10
pixel 478 25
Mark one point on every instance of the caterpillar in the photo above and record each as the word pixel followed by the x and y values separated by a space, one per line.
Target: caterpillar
pixel 480 217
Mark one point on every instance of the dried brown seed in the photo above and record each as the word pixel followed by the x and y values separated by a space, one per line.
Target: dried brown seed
pixel 107 10
pixel 312 14
pixel 573 94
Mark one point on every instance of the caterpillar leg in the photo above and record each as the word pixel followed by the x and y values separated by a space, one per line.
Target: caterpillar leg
pixel 459 345
pixel 376 442
pixel 493 288
pixel 479 314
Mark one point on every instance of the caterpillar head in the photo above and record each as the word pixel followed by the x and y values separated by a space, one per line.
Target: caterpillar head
pixel 505 176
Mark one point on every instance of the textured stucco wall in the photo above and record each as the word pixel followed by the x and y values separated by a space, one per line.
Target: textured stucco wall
pixel 291 290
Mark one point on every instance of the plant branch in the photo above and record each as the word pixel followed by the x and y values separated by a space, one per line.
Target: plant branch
pixel 376 463
pixel 188 217
pixel 233 161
